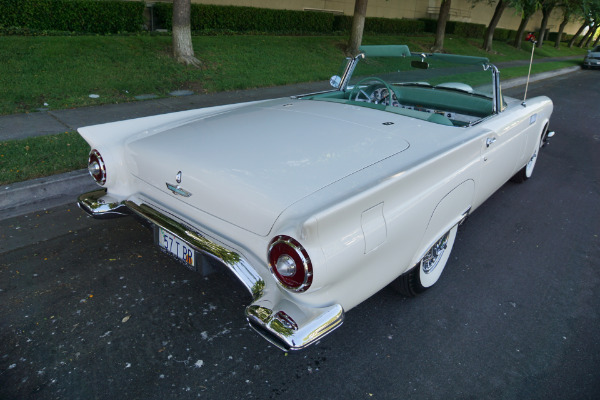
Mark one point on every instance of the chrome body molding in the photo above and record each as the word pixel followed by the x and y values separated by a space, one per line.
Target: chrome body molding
pixel 291 326
pixel 102 206
pixel 285 324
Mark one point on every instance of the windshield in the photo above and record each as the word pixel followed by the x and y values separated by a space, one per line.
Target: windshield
pixel 439 71
pixel 445 89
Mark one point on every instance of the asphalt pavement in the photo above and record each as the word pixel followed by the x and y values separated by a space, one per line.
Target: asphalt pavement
pixel 93 309
pixel 43 193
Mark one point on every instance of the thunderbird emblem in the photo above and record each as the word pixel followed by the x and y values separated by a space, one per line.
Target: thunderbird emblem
pixel 176 189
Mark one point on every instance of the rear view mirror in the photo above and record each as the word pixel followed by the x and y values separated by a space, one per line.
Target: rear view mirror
pixel 419 64
pixel 335 81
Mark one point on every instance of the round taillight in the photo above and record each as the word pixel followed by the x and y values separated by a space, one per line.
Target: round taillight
pixel 290 264
pixel 96 167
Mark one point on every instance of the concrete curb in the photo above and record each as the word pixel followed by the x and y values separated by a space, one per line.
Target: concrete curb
pixel 538 77
pixel 42 193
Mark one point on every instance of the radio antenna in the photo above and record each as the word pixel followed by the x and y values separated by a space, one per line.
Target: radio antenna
pixel 529 73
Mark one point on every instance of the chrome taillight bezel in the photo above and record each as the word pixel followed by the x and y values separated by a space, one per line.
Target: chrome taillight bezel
pixel 285 245
pixel 100 174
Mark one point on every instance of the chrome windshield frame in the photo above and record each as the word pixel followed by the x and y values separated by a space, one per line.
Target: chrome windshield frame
pixel 497 105
pixel 352 62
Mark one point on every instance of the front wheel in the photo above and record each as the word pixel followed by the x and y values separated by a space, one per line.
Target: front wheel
pixel 427 271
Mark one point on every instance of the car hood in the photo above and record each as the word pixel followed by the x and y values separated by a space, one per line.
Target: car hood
pixel 247 165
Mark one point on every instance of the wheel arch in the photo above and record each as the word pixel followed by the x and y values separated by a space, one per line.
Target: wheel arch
pixel 452 209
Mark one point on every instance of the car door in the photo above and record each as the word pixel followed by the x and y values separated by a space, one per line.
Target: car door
pixel 501 152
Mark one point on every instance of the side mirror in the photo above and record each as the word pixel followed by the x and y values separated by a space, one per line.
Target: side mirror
pixel 335 81
pixel 419 64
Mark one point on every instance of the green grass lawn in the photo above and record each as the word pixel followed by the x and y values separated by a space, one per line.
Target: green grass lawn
pixel 59 72
pixel 42 156
pixel 62 71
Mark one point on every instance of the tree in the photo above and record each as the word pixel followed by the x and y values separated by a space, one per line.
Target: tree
pixel 589 11
pixel 443 17
pixel 576 35
pixel 358 26
pixel 527 8
pixel 569 8
pixel 183 49
pixel 591 36
pixel 489 32
pixel 584 38
pixel 593 8
pixel 547 7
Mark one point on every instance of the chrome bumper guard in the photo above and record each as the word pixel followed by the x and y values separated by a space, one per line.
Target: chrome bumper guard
pixel 285 324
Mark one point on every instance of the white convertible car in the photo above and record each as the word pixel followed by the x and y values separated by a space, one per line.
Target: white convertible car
pixel 316 202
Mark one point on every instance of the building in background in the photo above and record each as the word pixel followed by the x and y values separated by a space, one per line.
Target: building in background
pixel 462 10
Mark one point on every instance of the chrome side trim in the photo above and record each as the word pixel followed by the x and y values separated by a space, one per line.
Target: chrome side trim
pixel 299 96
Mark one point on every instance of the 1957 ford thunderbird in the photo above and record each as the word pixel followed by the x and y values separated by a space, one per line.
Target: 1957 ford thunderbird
pixel 318 201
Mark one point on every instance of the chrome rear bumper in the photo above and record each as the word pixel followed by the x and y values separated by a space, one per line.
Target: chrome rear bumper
pixel 274 316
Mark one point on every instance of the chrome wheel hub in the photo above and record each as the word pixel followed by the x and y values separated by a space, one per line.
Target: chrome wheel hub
pixel 434 255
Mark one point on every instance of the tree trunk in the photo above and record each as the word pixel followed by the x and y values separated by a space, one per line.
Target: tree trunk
pixel 358 26
pixel 591 36
pixel 521 31
pixel 597 41
pixel 545 17
pixel 443 17
pixel 572 41
pixel 584 38
pixel 183 50
pixel 561 29
pixel 489 32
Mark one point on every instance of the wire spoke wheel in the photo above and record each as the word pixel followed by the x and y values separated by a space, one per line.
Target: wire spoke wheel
pixel 429 269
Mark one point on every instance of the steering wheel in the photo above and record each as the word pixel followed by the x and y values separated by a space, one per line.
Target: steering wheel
pixel 357 91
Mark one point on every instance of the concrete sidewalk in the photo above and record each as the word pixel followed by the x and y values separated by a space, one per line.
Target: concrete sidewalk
pixel 21 126
pixel 37 194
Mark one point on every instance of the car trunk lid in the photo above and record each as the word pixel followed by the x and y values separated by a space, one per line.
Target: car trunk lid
pixel 248 165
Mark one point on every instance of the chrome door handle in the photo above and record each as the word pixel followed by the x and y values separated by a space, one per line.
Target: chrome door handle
pixel 490 141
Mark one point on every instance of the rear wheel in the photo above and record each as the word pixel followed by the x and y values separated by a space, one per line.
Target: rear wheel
pixel 427 271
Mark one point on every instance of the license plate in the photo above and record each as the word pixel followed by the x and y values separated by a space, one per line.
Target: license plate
pixel 177 247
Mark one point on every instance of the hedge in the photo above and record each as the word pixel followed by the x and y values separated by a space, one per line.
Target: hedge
pixel 467 29
pixel 90 16
pixel 343 23
pixel 564 38
pixel 247 19
pixel 250 19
